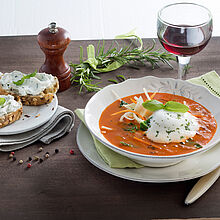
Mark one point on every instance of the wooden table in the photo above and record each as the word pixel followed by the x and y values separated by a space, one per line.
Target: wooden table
pixel 68 186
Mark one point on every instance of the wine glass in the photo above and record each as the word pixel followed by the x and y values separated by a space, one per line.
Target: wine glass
pixel 184 29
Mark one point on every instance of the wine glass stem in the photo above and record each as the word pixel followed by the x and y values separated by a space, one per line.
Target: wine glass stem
pixel 183 66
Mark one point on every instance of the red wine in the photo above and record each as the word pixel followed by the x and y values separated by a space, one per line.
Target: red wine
pixel 184 41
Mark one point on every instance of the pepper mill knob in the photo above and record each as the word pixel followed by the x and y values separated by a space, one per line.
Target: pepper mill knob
pixel 53 41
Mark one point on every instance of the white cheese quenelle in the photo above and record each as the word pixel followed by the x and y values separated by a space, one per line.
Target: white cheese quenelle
pixel 10 109
pixel 166 126
pixel 33 89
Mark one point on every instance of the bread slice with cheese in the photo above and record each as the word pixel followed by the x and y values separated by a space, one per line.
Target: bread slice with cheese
pixel 33 89
pixel 10 109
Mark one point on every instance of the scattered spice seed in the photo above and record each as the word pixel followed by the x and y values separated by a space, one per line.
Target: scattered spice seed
pixel 21 161
pixel 36 158
pixel 27 116
pixel 47 155
pixel 37 116
pixel 29 159
pixel 72 151
pixel 41 160
pixel 14 158
pixel 29 165
pixel 40 149
pixel 56 151
pixel 10 155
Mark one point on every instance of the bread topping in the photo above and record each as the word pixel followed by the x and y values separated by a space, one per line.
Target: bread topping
pixel 10 105
pixel 31 86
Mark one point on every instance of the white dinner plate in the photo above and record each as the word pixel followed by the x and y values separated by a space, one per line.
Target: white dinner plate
pixel 32 117
pixel 194 167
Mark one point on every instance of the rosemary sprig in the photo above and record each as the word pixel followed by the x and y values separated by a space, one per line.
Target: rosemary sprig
pixel 112 59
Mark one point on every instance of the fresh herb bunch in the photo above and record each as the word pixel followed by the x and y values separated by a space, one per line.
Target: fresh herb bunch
pixel 113 58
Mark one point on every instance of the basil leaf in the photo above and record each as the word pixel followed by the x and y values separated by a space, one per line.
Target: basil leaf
pixel 153 105
pixel 30 75
pixel 2 101
pixel 21 81
pixel 176 107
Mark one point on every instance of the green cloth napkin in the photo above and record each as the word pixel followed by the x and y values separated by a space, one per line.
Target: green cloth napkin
pixel 210 80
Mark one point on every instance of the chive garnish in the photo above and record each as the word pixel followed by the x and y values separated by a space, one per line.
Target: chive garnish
pixel 126 144
pixel 122 103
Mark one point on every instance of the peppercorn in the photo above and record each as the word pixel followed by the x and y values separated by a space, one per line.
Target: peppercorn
pixel 20 161
pixel 40 149
pixel 14 158
pixel 56 151
pixel 72 151
pixel 29 165
pixel 36 158
pixel 10 155
pixel 47 155
pixel 29 159
pixel 41 160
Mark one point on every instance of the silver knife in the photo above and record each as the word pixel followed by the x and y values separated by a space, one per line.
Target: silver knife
pixel 202 186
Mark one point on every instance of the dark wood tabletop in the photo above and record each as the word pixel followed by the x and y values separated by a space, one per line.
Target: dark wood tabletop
pixel 68 186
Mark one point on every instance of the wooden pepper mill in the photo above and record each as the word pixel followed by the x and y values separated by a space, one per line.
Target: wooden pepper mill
pixel 54 41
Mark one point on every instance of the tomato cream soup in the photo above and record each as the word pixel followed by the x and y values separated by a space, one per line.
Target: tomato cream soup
pixel 162 124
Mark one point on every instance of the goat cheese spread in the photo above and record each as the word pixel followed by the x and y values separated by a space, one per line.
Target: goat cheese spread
pixel 10 105
pixel 31 86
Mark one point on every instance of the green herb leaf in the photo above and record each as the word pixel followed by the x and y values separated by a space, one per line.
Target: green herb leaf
pixel 153 105
pixel 144 125
pixel 129 35
pixel 176 107
pixel 113 81
pixel 126 144
pixel 2 101
pixel 30 75
pixel 170 131
pixel 21 81
pixel 122 103
pixel 121 77
pixel 191 142
pixel 198 145
pixel 131 128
